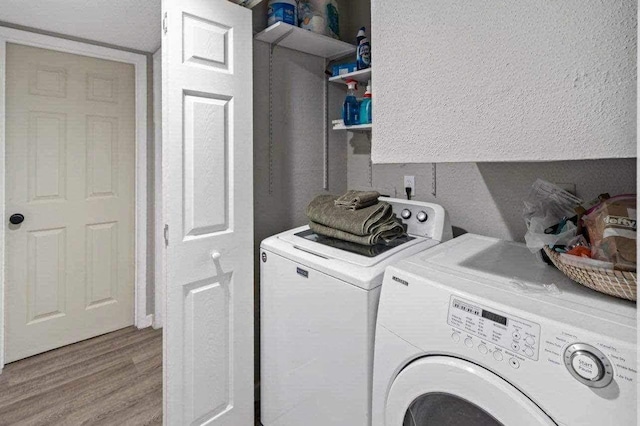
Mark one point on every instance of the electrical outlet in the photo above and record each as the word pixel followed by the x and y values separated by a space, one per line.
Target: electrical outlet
pixel 410 182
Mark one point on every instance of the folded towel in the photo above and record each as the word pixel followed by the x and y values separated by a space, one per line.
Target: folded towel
pixel 322 210
pixel 382 234
pixel 354 200
pixel 368 226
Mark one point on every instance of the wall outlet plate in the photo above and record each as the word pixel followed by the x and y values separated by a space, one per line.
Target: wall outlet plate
pixel 410 182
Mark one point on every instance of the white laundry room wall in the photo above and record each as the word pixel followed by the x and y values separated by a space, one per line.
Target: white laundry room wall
pixel 484 198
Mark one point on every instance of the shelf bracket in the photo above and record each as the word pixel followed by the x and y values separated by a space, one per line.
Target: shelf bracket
pixel 279 39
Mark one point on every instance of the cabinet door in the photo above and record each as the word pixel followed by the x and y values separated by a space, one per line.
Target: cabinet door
pixel 503 81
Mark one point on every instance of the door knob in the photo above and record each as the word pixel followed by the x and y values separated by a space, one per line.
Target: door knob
pixel 215 255
pixel 16 219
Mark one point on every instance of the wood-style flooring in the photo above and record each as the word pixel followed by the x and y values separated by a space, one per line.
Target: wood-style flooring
pixel 114 379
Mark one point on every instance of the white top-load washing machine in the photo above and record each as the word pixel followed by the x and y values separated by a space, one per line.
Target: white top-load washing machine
pixel 318 302
pixel 473 332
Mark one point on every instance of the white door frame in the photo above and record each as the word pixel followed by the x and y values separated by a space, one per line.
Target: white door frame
pixel 139 61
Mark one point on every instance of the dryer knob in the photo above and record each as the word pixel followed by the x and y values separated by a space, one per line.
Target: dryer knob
pixel 588 365
pixel 422 216
pixel 406 214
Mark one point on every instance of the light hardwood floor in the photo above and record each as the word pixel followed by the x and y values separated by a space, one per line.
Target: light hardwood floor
pixel 114 379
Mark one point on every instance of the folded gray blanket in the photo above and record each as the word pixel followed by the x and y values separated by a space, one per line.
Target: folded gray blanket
pixel 368 226
pixel 354 200
pixel 384 233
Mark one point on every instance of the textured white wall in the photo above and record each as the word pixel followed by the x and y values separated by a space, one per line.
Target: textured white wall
pixel 503 80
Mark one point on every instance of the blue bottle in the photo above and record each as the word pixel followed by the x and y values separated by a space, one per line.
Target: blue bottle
pixel 363 52
pixel 365 106
pixel 351 108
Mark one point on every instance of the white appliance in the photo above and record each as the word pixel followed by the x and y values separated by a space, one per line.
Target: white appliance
pixel 318 302
pixel 470 333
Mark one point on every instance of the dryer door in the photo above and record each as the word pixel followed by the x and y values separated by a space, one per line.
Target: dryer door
pixel 446 391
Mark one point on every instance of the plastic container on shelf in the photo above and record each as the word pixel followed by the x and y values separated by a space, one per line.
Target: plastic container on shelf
pixel 282 11
pixel 365 106
pixel 363 54
pixel 319 16
pixel 351 107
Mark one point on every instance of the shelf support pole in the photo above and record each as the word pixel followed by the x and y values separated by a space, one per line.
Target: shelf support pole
pixel 434 175
pixel 272 47
pixel 326 128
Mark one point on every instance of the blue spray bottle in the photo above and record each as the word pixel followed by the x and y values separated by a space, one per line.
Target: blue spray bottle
pixel 351 109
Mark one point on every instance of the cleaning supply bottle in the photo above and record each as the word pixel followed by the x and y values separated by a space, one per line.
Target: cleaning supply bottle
pixel 351 108
pixel 363 52
pixel 365 106
pixel 282 11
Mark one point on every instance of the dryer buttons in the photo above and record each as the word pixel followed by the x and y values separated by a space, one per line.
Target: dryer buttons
pixel 588 365
pixel 514 363
pixel 497 355
pixel 455 337
pixel 468 342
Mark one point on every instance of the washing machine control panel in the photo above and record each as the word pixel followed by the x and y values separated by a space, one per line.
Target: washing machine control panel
pixel 514 334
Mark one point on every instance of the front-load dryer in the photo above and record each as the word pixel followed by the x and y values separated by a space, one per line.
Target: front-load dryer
pixel 478 331
pixel 318 302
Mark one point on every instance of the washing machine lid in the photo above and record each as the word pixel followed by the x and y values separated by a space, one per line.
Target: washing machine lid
pixel 447 391
pixel 330 248
pixel 512 275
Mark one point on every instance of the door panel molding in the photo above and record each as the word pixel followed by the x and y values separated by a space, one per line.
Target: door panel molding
pixel 139 61
pixel 207 98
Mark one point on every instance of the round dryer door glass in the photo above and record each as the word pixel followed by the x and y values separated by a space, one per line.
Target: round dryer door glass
pixel 446 410
pixel 447 391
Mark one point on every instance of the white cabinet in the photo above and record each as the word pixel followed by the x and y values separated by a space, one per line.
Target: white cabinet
pixel 504 81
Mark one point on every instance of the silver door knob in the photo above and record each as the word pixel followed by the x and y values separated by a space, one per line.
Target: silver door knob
pixel 215 255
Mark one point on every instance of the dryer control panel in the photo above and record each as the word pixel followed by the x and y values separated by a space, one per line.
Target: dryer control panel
pixel 507 331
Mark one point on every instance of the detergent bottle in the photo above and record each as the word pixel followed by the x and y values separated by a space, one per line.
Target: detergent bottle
pixel 351 109
pixel 365 106
pixel 363 51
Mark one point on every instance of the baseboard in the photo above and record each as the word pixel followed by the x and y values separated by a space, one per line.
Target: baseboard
pixel 145 322
pixel 155 324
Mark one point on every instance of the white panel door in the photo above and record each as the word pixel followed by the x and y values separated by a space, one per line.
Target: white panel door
pixel 70 161
pixel 208 204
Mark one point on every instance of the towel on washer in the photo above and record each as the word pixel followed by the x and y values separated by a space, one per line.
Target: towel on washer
pixel 383 234
pixel 367 226
pixel 355 200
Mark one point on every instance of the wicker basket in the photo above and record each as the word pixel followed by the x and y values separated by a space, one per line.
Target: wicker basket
pixel 620 284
